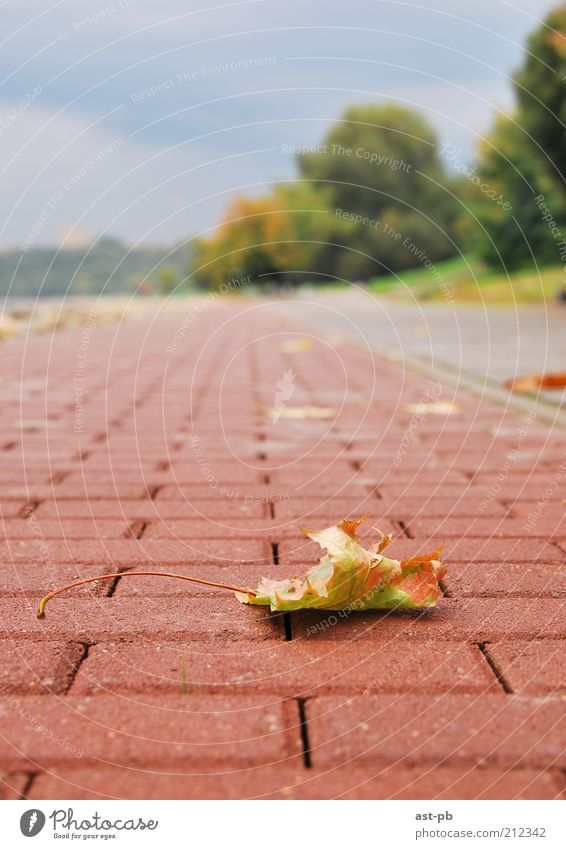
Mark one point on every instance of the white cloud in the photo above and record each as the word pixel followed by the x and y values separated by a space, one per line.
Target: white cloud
pixel 156 182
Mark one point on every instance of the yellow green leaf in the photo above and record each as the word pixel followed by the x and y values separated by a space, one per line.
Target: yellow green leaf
pixel 351 576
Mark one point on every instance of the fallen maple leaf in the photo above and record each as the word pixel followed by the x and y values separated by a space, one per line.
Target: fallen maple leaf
pixel 438 408
pixel 286 412
pixel 534 382
pixel 296 346
pixel 348 577
pixel 351 576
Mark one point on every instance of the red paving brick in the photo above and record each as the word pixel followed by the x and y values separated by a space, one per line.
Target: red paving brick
pixel 509 731
pixel 122 618
pixel 36 580
pixel 16 529
pixel 125 553
pixel 149 688
pixel 383 782
pixel 43 667
pixel 241 575
pixel 133 509
pixel 203 732
pixel 485 527
pixel 477 620
pixel 11 510
pixel 506 579
pixel 533 667
pixel 293 669
pixel 13 785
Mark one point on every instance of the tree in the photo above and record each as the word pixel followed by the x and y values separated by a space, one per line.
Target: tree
pixel 382 162
pixel 373 197
pixel 541 91
pixel 523 161
pixel 270 238
pixel 514 226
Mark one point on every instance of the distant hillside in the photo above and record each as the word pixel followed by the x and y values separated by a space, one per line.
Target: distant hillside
pixel 109 267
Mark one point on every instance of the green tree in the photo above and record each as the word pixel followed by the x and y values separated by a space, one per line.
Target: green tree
pixel 382 162
pixel 541 91
pixel 514 229
pixel 523 162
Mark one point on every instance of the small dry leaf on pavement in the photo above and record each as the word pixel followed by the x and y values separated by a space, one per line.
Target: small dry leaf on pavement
pixel 352 577
pixel 296 346
pixel 534 382
pixel 437 408
pixel 348 577
pixel 299 412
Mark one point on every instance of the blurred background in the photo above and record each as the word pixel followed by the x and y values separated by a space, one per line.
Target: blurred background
pixel 170 149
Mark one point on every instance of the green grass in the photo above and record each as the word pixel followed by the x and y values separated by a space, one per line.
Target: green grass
pixel 469 280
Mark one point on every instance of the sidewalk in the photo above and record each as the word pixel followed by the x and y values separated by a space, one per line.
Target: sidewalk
pixel 152 444
pixel 474 346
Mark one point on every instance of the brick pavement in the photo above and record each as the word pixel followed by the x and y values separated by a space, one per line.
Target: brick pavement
pixel 139 446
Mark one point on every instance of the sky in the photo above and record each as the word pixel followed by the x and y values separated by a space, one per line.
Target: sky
pixel 141 119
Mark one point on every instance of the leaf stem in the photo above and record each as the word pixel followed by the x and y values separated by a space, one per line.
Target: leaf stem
pixel 47 598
